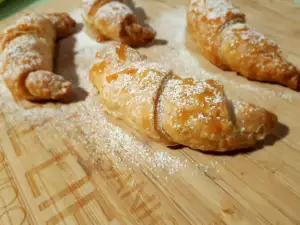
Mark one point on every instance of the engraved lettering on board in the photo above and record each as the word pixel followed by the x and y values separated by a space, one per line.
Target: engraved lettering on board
pixel 12 208
pixel 80 200
pixel 145 205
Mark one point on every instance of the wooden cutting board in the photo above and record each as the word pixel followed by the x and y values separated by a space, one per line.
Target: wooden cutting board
pixel 70 164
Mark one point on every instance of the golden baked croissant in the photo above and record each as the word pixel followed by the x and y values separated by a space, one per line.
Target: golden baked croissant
pixel 114 20
pixel 27 55
pixel 220 31
pixel 173 110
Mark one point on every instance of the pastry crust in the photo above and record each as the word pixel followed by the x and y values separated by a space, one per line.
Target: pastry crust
pixel 27 53
pixel 114 20
pixel 173 110
pixel 220 31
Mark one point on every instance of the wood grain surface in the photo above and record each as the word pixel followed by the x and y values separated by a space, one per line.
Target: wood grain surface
pixel 70 164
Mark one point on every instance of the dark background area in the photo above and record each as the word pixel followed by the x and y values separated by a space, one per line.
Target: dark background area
pixel 10 7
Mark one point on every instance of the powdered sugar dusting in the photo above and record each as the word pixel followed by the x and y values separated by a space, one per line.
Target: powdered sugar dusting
pixel 213 9
pixel 17 54
pixel 100 137
pixel 113 11
pixel 106 15
pixel 183 94
pixel 84 122
pixel 25 52
pixel 250 34
pixel 186 63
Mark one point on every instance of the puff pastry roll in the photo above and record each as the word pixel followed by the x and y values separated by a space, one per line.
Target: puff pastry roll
pixel 27 54
pixel 114 20
pixel 172 110
pixel 220 31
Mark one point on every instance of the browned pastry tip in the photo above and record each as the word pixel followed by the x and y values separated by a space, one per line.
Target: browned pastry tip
pixel 254 120
pixel 199 115
pixel 134 34
pixel 64 24
pixel 256 57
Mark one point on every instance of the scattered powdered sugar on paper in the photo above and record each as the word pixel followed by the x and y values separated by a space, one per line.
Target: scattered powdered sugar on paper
pixel 90 128
pixel 84 122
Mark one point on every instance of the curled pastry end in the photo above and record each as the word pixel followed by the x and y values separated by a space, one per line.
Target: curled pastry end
pixel 138 34
pixel 45 85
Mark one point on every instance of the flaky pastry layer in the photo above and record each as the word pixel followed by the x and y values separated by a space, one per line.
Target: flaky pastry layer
pixel 27 53
pixel 114 20
pixel 174 110
pixel 220 31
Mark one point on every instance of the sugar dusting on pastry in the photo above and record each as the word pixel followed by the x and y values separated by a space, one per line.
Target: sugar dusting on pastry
pixel 184 93
pixel 220 32
pixel 186 63
pixel 85 123
pixel 216 9
pixel 113 10
pixel 22 52
pixel 28 46
pixel 138 109
pixel 254 37
pixel 92 120
pixel 21 56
